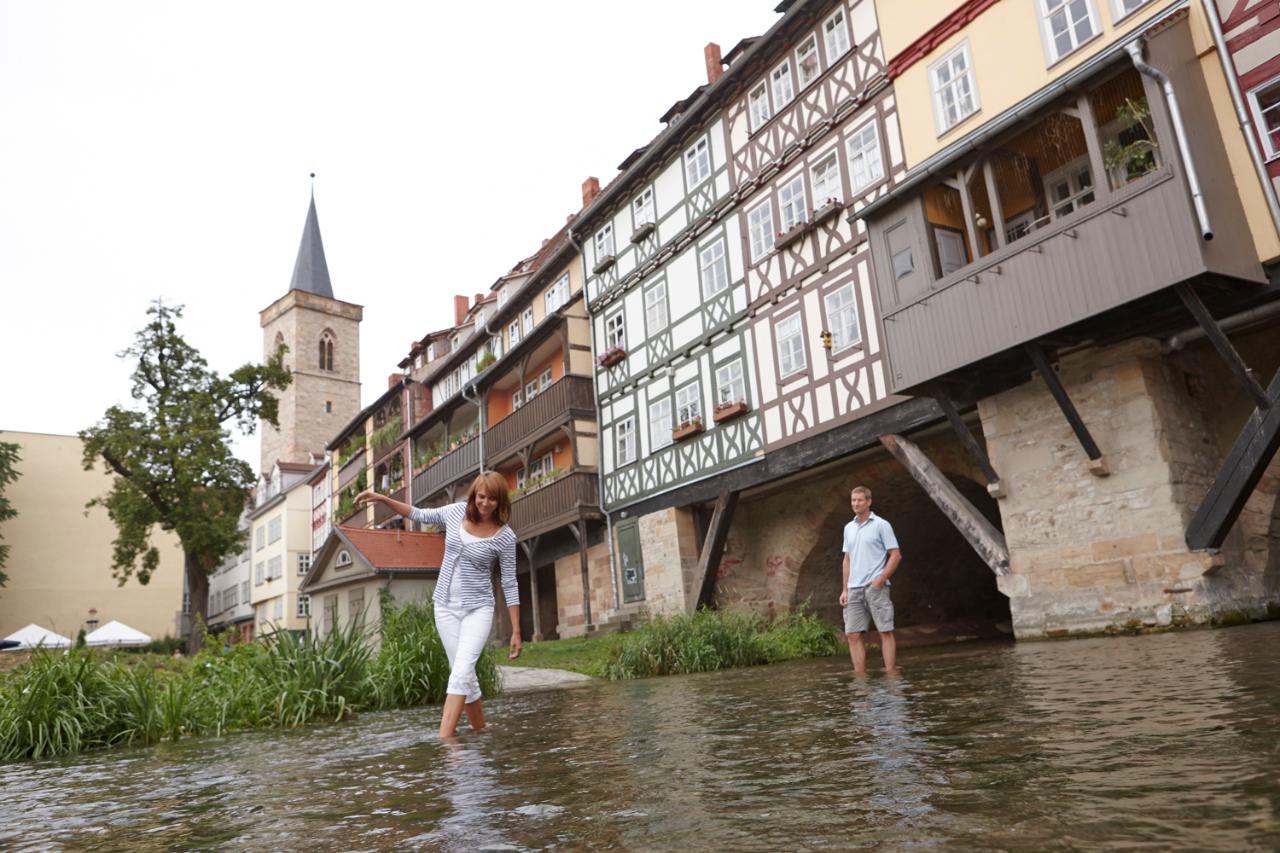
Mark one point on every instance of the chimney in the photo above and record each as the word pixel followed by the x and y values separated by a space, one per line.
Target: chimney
pixel 715 65
pixel 479 298
pixel 394 379
pixel 460 306
pixel 590 189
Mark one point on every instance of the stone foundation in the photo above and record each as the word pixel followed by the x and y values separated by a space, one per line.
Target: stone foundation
pixel 570 609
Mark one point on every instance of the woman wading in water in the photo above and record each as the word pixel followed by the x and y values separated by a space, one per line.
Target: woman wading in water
pixel 476 536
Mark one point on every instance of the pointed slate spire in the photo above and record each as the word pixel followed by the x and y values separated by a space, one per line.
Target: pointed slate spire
pixel 311 271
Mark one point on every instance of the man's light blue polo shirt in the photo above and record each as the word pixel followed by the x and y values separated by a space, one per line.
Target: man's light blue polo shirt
pixel 868 545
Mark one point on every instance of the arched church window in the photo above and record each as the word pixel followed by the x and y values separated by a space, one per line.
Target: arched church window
pixel 326 350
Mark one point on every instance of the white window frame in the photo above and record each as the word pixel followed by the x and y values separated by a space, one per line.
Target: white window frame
pixel 938 88
pixel 840 32
pixel 526 321
pixel 760 229
pixel 655 308
pixel 713 268
pixel 688 403
pixel 1118 6
pixel 811 44
pixel 258 569
pixel 513 333
pixel 697 163
pixel 556 295
pixel 277 608
pixel 260 537
pixel 1046 10
pixel 531 390
pixel 624 434
pixel 758 109
pixel 842 318
pixel 865 155
pixel 793 204
pixel 275 529
pixel 660 422
pixel 782 85
pixel 517 400
pixel 304 564
pixel 615 331
pixel 244 591
pixel 303 607
pixel 604 242
pixel 1269 146
pixel 642 209
pixel 792 356
pixel 731 383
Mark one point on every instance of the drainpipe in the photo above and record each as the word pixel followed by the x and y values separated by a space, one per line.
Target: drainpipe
pixel 1136 48
pixel 595 399
pixel 1242 112
pixel 480 414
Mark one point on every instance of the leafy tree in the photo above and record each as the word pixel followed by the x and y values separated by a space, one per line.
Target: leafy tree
pixel 173 464
pixel 8 474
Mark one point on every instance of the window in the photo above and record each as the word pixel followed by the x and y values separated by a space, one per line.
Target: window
pixel 842 318
pixel 604 242
pixel 790 336
pixel 304 606
pixel 275 528
pixel 615 333
pixel 825 176
pixel 835 32
pixel 530 390
pixel 626 441
pixel 479 321
pixel 526 320
pixel 275 568
pixel 807 61
pixel 557 295
pixel 502 297
pixel 655 308
pixel 697 164
pixel 517 400
pixel 244 592
pixel 258 573
pixel 1124 7
pixel 513 334
pixel 330 613
pixel 1265 101
pixel 344 559
pixel 760 226
pixel 688 403
pixel 1069 188
pixel 642 208
pixel 758 102
pixel 955 97
pixel 328 407
pixel 259 538
pixel 865 164
pixel 355 603
pixel 792 204
pixel 780 82
pixel 304 563
pixel 952 254
pixel 277 608
pixel 1067 25
pixel 660 423
pixel 537 385
pixel 730 384
pixel 326 350
pixel 542 466
pixel 711 263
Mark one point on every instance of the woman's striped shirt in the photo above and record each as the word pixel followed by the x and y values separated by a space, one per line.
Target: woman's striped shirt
pixel 474 560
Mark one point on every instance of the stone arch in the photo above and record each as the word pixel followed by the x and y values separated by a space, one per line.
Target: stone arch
pixel 327 341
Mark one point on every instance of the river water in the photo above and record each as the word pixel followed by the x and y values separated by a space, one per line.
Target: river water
pixel 1158 742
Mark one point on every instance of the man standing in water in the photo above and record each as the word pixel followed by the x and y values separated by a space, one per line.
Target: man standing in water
pixel 871 555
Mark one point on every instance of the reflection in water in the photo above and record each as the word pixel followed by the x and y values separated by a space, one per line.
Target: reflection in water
pixel 1165 741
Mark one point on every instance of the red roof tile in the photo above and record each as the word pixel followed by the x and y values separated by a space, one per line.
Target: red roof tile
pixel 397 549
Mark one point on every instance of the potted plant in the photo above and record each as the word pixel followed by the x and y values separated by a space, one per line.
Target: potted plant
pixel 826 210
pixel 644 229
pixel 1130 161
pixel 485 360
pixel 785 238
pixel 687 429
pixel 611 356
pixel 729 409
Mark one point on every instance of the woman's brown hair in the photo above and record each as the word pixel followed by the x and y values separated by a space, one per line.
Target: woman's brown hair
pixel 495 486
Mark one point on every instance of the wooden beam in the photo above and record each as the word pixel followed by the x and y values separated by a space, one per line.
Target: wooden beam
pixel 981 534
pixel 1252 452
pixel 1092 137
pixel 579 530
pixel 1218 338
pixel 713 548
pixel 967 439
pixel 1041 362
pixel 970 226
pixel 993 197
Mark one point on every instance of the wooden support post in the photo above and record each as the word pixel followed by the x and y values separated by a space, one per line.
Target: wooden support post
pixel 993 196
pixel 968 441
pixel 579 530
pixel 713 548
pixel 1089 124
pixel 1252 452
pixel 1218 338
pixel 966 205
pixel 1097 465
pixel 981 534
pixel 530 547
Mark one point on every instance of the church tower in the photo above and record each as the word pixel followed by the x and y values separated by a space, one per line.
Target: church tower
pixel 323 337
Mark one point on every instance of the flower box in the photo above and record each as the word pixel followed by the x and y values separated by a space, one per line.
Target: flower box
pixel 728 411
pixel 783 239
pixel 603 264
pixel 643 231
pixel 688 429
pixel 830 208
pixel 613 355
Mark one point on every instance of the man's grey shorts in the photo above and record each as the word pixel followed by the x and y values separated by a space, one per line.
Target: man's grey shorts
pixel 866 603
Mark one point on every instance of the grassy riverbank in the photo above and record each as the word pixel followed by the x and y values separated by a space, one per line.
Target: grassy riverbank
pixel 704 642
pixel 84 699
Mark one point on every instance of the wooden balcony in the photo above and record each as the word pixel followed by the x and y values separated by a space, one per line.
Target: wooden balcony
pixel 556 504
pixel 351 468
pixel 568 395
pixel 459 462
pixel 383 513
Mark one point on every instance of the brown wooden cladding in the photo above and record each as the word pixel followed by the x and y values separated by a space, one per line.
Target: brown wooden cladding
pixel 556 504
pixel 452 466
pixel 383 513
pixel 351 469
pixel 569 393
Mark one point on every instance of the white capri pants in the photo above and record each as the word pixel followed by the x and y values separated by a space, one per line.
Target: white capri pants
pixel 464 634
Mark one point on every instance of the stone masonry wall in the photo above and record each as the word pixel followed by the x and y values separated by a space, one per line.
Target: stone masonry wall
pixel 571 614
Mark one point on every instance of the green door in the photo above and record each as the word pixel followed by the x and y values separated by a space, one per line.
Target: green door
pixel 630 561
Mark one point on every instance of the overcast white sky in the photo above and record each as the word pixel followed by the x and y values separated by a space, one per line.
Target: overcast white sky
pixel 162 149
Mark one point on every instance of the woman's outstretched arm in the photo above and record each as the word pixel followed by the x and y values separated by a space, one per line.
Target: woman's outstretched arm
pixel 399 506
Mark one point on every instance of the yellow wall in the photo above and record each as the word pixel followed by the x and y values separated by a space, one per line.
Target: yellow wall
pixel 59 562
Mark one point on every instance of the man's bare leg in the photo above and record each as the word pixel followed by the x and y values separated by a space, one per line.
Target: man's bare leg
pixel 889 646
pixel 453 703
pixel 858 652
pixel 475 715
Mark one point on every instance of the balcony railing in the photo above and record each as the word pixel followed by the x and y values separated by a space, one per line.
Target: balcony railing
pixel 526 422
pixel 451 466
pixel 555 504
pixel 351 469
pixel 383 513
